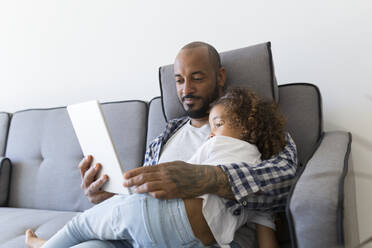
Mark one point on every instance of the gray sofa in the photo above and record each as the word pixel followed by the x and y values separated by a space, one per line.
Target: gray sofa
pixel 40 181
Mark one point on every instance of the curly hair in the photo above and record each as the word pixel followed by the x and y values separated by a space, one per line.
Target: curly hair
pixel 261 122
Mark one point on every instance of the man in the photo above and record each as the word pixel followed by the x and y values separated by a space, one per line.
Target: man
pixel 200 80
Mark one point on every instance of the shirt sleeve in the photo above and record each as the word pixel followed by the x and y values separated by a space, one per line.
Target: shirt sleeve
pixel 264 186
pixel 152 151
pixel 150 154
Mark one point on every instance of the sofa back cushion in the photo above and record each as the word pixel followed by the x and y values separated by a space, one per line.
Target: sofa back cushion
pixel 156 120
pixel 249 67
pixel 4 163
pixel 45 153
pixel 4 125
pixel 301 105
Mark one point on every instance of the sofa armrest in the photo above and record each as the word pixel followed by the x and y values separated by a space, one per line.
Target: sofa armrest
pixel 5 170
pixel 315 205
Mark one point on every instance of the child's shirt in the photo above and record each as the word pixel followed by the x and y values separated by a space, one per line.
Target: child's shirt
pixel 225 150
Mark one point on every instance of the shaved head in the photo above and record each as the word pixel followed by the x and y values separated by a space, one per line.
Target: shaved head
pixel 199 78
pixel 213 55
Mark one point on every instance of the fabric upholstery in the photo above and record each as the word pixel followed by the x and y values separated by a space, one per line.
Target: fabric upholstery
pixel 315 201
pixel 5 170
pixel 300 103
pixel 4 124
pixel 156 120
pixel 18 220
pixel 350 218
pixel 45 152
pixel 249 67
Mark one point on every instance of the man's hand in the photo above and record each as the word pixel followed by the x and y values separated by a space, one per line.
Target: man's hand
pixel 178 180
pixel 90 184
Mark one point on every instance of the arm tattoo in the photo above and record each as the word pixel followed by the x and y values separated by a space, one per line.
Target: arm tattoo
pixel 195 180
pixel 218 183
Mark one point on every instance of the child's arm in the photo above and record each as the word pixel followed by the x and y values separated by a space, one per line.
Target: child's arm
pixel 266 237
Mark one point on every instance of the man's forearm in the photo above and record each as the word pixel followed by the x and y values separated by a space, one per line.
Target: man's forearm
pixel 216 182
pixel 178 179
pixel 194 180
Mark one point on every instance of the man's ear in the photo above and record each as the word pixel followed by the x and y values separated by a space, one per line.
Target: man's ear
pixel 221 77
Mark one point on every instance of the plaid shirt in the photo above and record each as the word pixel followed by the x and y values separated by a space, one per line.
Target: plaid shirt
pixel 264 186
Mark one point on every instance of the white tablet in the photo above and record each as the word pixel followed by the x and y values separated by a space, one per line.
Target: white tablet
pixel 95 139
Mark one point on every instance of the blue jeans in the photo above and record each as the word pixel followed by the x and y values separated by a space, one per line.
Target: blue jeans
pixel 104 244
pixel 123 244
pixel 138 220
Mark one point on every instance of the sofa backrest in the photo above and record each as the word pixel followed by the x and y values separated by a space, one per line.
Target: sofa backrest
pixel 301 104
pixel 4 125
pixel 4 164
pixel 249 67
pixel 156 120
pixel 45 153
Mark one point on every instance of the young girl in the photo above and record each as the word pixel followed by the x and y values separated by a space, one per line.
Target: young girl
pixel 243 128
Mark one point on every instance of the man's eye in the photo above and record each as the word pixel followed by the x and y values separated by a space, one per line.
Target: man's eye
pixel 178 80
pixel 198 79
pixel 218 124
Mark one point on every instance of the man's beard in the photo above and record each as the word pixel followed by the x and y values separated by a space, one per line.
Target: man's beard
pixel 203 111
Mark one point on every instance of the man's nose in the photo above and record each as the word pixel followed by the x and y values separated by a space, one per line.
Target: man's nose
pixel 188 88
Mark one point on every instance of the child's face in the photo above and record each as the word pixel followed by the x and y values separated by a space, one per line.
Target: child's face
pixel 218 120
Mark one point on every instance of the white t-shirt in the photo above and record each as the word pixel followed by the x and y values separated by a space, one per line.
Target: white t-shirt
pixel 227 150
pixel 184 143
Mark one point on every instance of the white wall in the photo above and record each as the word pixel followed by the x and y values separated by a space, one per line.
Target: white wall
pixel 54 53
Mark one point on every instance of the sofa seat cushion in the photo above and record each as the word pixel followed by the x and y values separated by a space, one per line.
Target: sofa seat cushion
pixel 15 221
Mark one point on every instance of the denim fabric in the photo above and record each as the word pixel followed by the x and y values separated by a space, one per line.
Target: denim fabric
pixel 139 219
pixel 104 244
